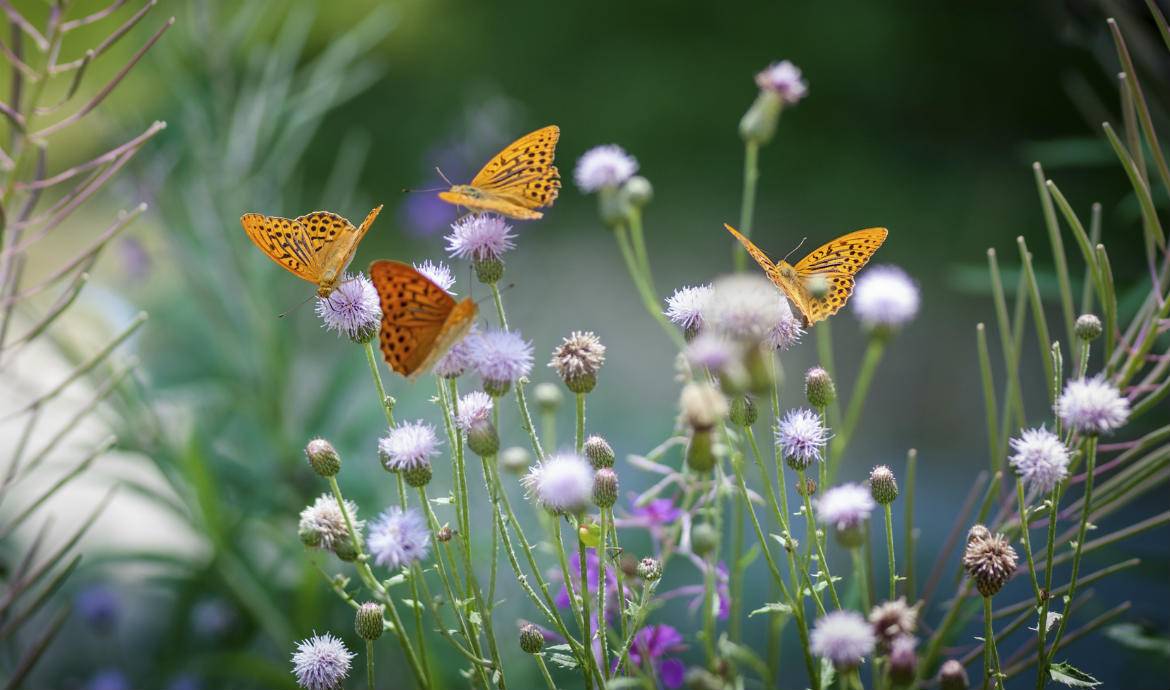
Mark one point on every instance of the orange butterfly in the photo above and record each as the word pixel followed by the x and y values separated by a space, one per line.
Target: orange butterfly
pixel 835 263
pixel 515 182
pixel 315 247
pixel 420 320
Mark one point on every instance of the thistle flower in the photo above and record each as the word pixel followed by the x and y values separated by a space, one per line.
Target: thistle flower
pixel 602 167
pixel 323 526
pixel 990 561
pixel 500 358
pixel 844 638
pixel 885 298
pixel 408 449
pixel 578 359
pixel 475 409
pixel 438 273
pixel 845 508
pixel 321 662
pixel 353 309
pixel 713 352
pixel 746 306
pixel 784 79
pixel 562 483
pixel 685 307
pixel 654 643
pixel 398 538
pixel 952 676
pixel 458 358
pixel 480 237
pixel 1092 406
pixel 801 436
pixel 891 620
pixel 702 405
pixel 903 659
pixel 649 569
pixel 1040 459
pixel 786 333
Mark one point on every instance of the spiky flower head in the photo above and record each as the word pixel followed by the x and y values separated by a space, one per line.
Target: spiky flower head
pixel 649 569
pixel 1088 327
pixel 321 662
pixel 438 273
pixel 398 538
pixel 801 436
pixel 952 676
pixel 882 484
pixel 323 457
pixel 903 659
pixel 561 484
pixel 501 358
pixel 352 309
pixel 747 307
pixel 1040 459
pixel 323 526
pixel 685 307
pixel 480 237
pixel 1092 406
pixel 702 405
pixel 713 352
pixel 607 166
pixel 605 488
pixel 515 459
pixel 784 79
pixel 578 359
pixel 408 449
pixel 457 358
pixel 846 508
pixel 844 638
pixel 990 561
pixel 531 639
pixel 885 298
pixel 819 388
pixel 891 620
pixel 599 452
pixel 368 621
pixel 475 420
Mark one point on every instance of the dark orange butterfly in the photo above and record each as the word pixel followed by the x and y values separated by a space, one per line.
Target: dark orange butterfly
pixel 517 181
pixel 420 320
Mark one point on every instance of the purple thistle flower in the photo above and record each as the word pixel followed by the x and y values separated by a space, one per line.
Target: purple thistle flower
pixel 1041 459
pixel 748 307
pixel 786 333
pixel 604 166
pixel 1092 406
pixel 562 483
pixel 657 513
pixel 713 352
pixel 654 643
pixel 501 357
pixel 353 309
pixel 321 662
pixel 480 237
pixel 398 538
pixel 474 408
pixel 801 436
pixel 845 507
pixel 458 358
pixel 885 297
pixel 408 446
pixel 843 637
pixel 783 78
pixel 592 578
pixel 438 273
pixel 685 306
pixel 324 522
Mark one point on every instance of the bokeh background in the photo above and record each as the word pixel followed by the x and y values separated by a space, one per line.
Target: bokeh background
pixel 921 117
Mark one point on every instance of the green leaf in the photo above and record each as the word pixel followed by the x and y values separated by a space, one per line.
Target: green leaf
pixel 773 607
pixel 748 558
pixel 1133 636
pixel 563 660
pixel 828 674
pixel 1066 674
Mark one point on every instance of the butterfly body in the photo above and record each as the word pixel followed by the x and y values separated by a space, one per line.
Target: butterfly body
pixel 515 182
pixel 819 284
pixel 420 320
pixel 316 247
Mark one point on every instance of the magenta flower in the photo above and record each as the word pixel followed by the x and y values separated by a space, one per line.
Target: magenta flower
pixel 592 577
pixel 655 643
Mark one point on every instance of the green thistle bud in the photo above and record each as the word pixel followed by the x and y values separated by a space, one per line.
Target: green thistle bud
pixel 531 639
pixel 515 459
pixel 744 412
pixel 345 550
pixel 488 271
pixel 418 475
pixel 704 538
pixel 700 451
pixel 323 457
pixel 1088 327
pixel 758 124
pixel 613 206
pixel 368 621
pixel 548 397
pixel 819 388
pixel 599 452
pixel 496 389
pixel 309 536
pixel 483 440
pixel 605 488
pixel 649 569
pixel 882 485
pixel 759 369
pixel 638 191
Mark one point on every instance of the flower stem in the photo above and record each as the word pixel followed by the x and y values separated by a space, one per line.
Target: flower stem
pixel 580 439
pixel 1090 445
pixel 645 291
pixel 890 551
pixel 499 302
pixel 370 664
pixel 859 576
pixel 991 672
pixel 1024 532
pixel 908 520
pixel 383 399
pixel 1046 592
pixel 544 671
pixel 869 363
pixel 816 541
pixel 751 176
pixel 601 594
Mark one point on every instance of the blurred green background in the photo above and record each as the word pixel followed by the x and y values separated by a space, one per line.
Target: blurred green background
pixel 921 117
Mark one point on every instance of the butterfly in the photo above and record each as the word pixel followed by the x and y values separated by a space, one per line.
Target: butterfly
pixel 835 263
pixel 516 181
pixel 420 320
pixel 315 247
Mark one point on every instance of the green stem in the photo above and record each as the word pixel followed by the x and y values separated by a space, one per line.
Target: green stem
pixel 649 299
pixel 1024 531
pixel 544 672
pixel 1046 599
pixel 751 177
pixel 1087 504
pixel 824 564
pixel 737 570
pixel 860 576
pixel 873 355
pixel 580 439
pixel 601 595
pixel 383 400
pixel 824 336
pixel 499 302
pixel 890 551
pixel 991 672
pixel 908 537
pixel 370 664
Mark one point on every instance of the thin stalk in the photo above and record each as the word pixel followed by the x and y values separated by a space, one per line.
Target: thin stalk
pixel 890 551
pixel 824 564
pixel 747 207
pixel 1087 500
pixel 873 356
pixel 1050 549
pixel 370 664
pixel 386 403
pixel 991 672
pixel 544 671
pixel 1024 531
pixel 580 439
pixel 908 506
pixel 601 595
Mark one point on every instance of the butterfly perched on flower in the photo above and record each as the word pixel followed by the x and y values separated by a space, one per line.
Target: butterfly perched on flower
pixel 420 320
pixel 315 247
pixel 516 181
pixel 820 283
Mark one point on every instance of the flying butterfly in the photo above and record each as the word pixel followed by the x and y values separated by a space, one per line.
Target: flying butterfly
pixel 835 263
pixel 516 181
pixel 315 247
pixel 420 320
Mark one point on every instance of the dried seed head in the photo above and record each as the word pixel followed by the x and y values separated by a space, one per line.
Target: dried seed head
pixel 578 359
pixel 990 561
pixel 891 620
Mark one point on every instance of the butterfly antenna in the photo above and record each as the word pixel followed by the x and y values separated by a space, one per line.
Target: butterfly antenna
pixel 408 190
pixel 795 248
pixel 509 286
pixel 440 171
pixel 303 303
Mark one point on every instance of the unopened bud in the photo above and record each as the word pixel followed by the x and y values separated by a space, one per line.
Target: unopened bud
pixel 700 451
pixel 649 569
pixel 743 412
pixel 515 459
pixel 882 485
pixel 368 621
pixel 531 639
pixel 599 452
pixel 1088 327
pixel 548 397
pixel 819 388
pixel 704 538
pixel 323 457
pixel 638 191
pixel 488 271
pixel 605 488
pixel 952 676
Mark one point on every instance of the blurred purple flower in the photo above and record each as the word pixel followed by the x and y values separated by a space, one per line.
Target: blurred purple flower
pixel 657 513
pixel 592 577
pixel 212 618
pixel 654 643
pixel 108 679
pixel 100 606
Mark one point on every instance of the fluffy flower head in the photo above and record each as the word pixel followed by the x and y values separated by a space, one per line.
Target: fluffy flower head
pixel 501 356
pixel 845 507
pixel 398 538
pixel 1040 458
pixel 747 306
pixel 685 306
pixel 801 437
pixel 604 166
pixel 324 520
pixel 885 297
pixel 843 637
pixel 408 446
pixel 1092 406
pixel 581 354
pixel 480 237
pixel 474 408
pixel 563 483
pixel 783 78
pixel 438 273
pixel 321 662
pixel 353 309
pixel 457 359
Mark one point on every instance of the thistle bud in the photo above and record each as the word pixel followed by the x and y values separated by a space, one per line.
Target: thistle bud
pixel 483 440
pixel 1088 327
pixel 990 561
pixel 488 271
pixel 702 405
pixel 531 639
pixel 638 191
pixel 743 412
pixel 819 388
pixel 309 536
pixel 419 475
pixel 649 569
pixel 758 124
pixel 704 538
pixel 903 660
pixel 882 485
pixel 599 452
pixel 444 534
pixel 761 372
pixel 613 206
pixel 368 621
pixel 345 550
pixel 605 488
pixel 323 457
pixel 700 451
pixel 548 397
pixel 515 459
pixel 496 389
pixel 952 676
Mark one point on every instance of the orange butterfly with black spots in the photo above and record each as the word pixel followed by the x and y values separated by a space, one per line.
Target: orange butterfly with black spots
pixel 516 181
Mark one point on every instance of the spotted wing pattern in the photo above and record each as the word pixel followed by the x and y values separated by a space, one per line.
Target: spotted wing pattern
pixel 517 180
pixel 837 263
pixel 284 241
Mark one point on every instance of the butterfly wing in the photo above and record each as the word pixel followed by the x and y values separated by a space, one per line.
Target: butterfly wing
pixel 837 263
pixel 284 241
pixel 420 320
pixel 775 273
pixel 517 180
